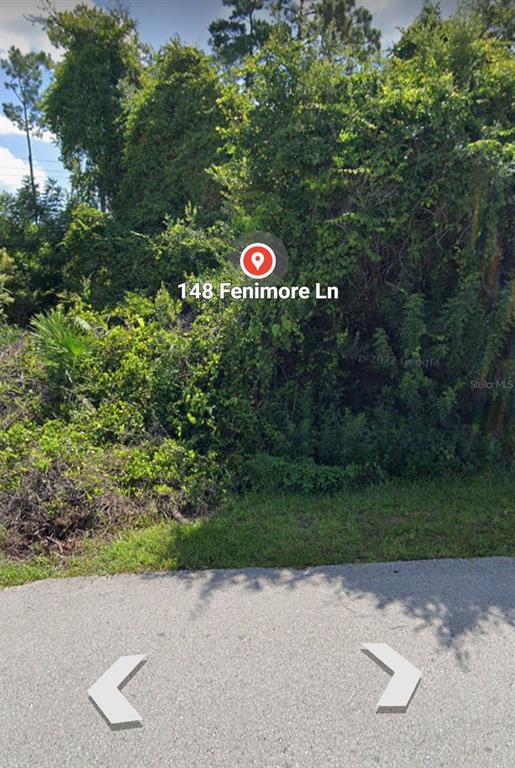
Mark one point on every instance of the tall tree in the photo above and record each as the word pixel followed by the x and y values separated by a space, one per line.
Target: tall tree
pixel 85 103
pixel 242 33
pixel 346 24
pixel 497 17
pixel 24 78
pixel 333 22
pixel 171 139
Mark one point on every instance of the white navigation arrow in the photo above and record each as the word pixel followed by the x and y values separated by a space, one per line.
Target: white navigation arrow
pixel 399 691
pixel 105 694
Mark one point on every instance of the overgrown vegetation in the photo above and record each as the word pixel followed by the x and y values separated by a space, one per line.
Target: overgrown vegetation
pixel 389 176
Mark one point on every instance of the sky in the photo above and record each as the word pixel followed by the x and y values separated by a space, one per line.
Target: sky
pixel 158 21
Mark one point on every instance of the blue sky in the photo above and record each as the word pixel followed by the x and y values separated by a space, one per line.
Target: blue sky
pixel 158 20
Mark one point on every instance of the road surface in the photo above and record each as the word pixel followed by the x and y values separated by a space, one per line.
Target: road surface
pixel 264 668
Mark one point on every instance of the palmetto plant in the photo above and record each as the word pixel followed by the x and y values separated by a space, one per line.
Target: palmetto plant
pixel 62 341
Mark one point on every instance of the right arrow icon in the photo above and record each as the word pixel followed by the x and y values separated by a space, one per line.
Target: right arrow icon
pixel 399 691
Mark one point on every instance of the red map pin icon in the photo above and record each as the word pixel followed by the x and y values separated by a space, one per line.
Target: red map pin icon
pixel 257 260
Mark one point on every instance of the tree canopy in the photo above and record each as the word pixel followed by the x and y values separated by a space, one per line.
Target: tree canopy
pixel 85 103
pixel 171 138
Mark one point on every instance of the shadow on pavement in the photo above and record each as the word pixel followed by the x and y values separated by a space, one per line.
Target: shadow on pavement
pixel 454 598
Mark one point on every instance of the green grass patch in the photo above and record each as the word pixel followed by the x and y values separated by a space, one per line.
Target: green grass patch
pixel 453 517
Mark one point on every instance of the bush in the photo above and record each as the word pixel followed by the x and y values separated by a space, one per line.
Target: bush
pixel 6 275
pixel 22 382
pixel 57 484
pixel 272 474
pixel 62 341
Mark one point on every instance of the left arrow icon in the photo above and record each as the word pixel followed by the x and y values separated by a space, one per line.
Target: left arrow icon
pixel 105 693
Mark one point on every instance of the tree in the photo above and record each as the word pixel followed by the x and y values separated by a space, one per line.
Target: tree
pixel 328 23
pixel 497 17
pixel 243 33
pixel 171 139
pixel 32 234
pixel 24 73
pixel 346 24
pixel 85 103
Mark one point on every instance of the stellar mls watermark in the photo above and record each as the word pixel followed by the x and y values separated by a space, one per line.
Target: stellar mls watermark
pixel 494 384
pixel 259 259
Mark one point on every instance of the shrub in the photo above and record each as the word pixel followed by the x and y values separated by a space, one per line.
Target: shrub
pixel 272 474
pixel 6 274
pixel 21 379
pixel 62 341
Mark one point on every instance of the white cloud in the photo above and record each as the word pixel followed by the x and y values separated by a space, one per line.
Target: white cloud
pixel 16 30
pixel 14 169
pixel 392 15
pixel 7 128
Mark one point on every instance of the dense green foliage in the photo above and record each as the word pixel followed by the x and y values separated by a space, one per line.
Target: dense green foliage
pixel 31 232
pixel 171 139
pixel 85 103
pixel 390 178
pixel 401 194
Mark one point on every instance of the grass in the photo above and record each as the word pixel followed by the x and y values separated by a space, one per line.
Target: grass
pixel 452 517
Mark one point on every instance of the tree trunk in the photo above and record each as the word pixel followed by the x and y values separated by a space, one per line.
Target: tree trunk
pixel 31 166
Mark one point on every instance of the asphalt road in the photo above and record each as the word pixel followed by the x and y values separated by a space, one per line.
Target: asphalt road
pixel 264 668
